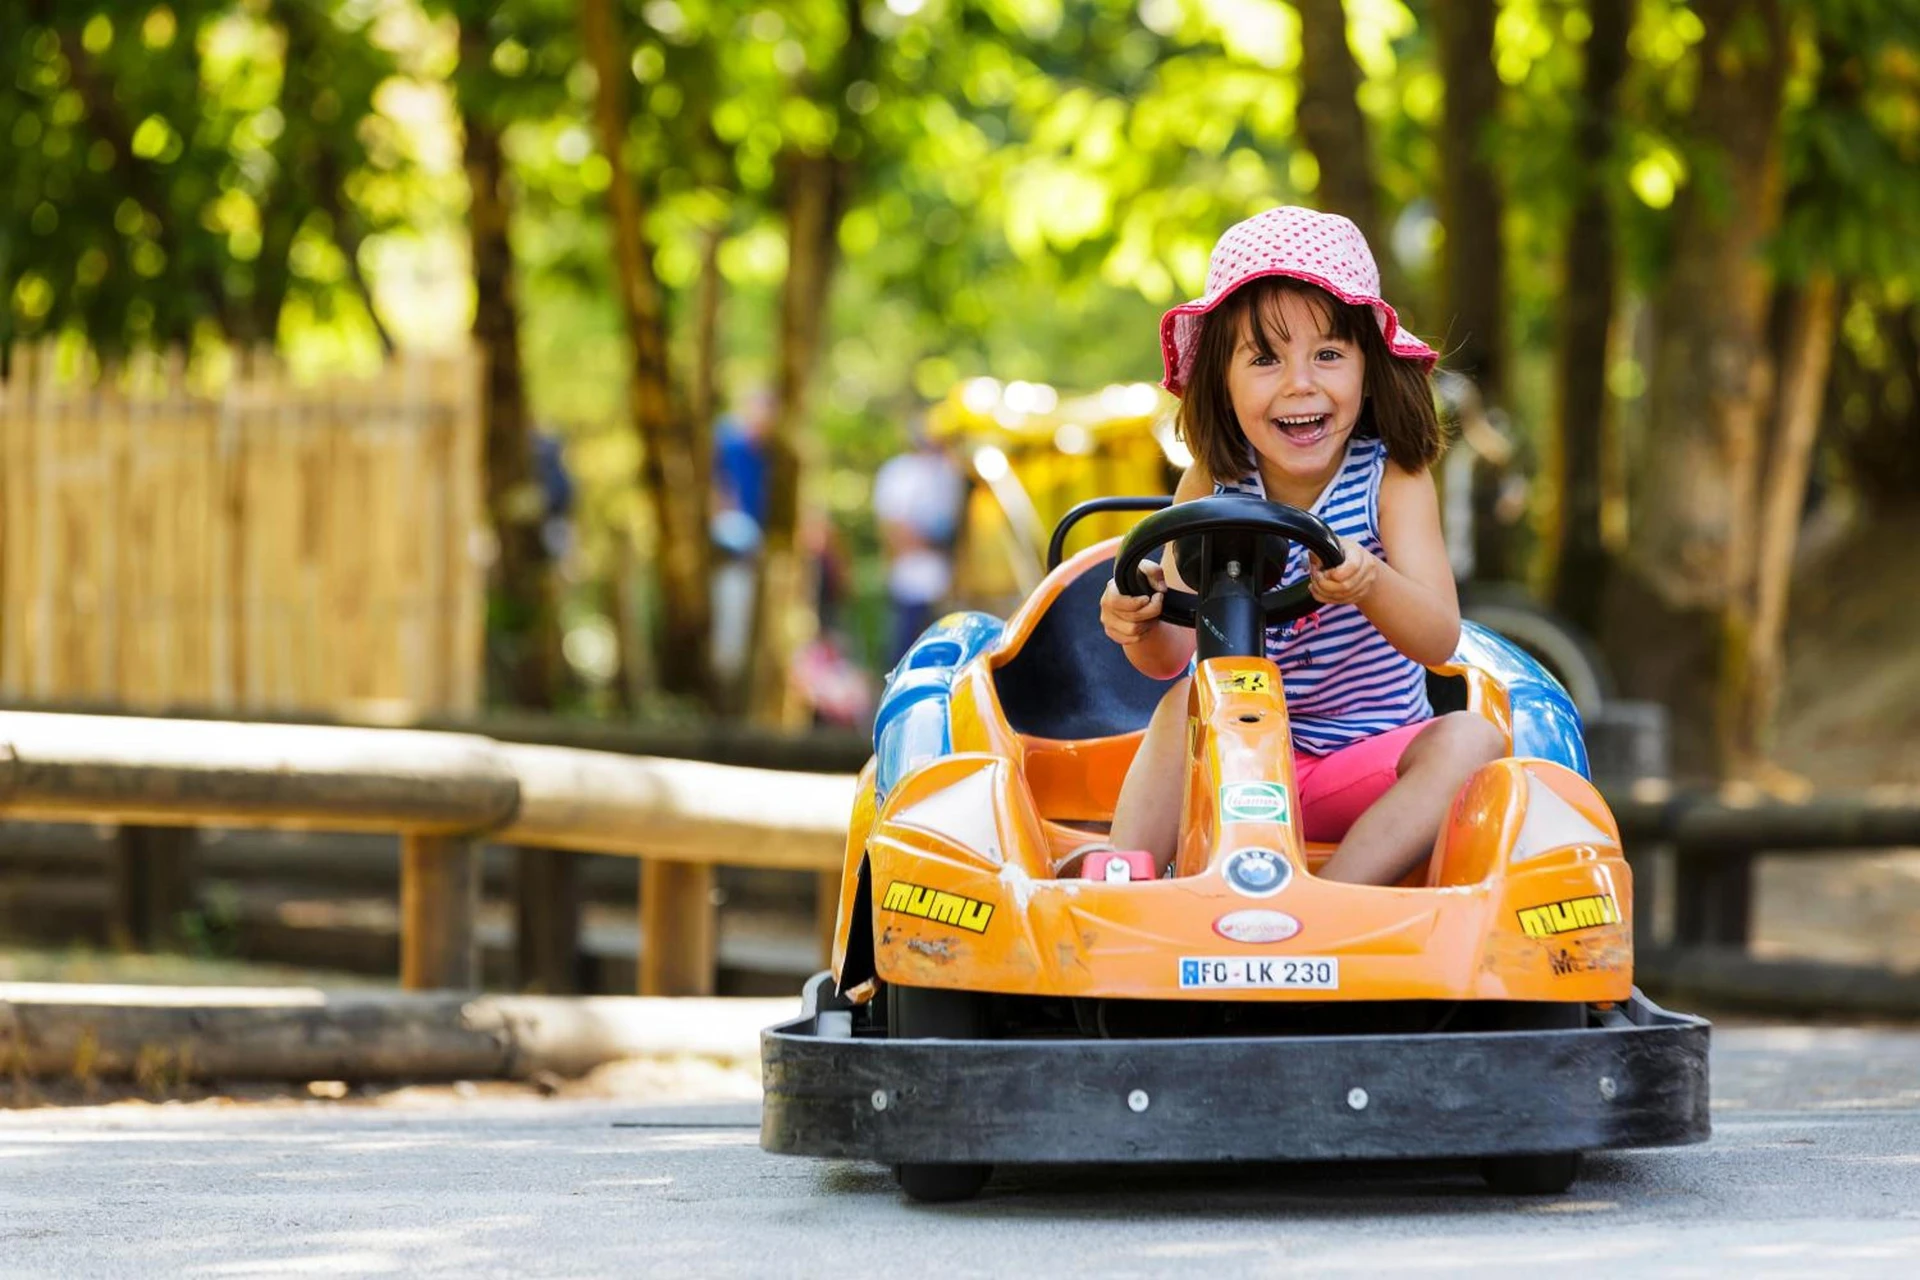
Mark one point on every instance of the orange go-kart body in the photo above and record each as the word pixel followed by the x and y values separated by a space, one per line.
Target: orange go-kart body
pixel 950 876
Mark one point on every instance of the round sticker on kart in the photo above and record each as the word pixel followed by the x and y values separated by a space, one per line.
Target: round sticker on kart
pixel 1258 873
pixel 1254 925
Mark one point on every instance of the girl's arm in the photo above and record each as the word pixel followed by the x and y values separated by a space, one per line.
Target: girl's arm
pixel 1411 600
pixel 1155 648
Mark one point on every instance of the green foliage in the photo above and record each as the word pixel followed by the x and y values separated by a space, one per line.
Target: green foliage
pixel 1854 147
pixel 187 170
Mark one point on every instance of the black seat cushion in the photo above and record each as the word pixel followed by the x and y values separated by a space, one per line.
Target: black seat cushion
pixel 1069 680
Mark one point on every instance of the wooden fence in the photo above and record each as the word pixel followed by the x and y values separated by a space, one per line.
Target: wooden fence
pixel 445 792
pixel 258 547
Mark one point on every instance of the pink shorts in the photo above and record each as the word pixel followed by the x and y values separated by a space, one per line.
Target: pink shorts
pixel 1336 789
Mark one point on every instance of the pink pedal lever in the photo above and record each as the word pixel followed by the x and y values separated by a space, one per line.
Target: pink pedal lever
pixel 1118 866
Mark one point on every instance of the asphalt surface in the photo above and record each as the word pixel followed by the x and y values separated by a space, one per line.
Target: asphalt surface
pixel 1814 1169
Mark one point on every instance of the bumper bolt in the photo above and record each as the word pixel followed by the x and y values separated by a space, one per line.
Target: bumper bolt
pixel 1137 1100
pixel 1608 1088
pixel 1357 1098
pixel 879 1099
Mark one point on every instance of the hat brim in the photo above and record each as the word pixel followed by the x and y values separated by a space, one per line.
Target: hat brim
pixel 1180 327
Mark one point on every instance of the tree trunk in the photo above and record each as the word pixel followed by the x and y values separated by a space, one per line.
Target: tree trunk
pixel 1331 122
pixel 1473 268
pixel 1580 391
pixel 1805 358
pixel 703 400
pixel 813 195
pixel 1680 613
pixel 527 623
pixel 673 448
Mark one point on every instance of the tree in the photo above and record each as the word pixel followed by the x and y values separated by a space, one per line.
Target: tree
pixel 524 622
pixel 163 186
pixel 816 177
pixel 1332 123
pixel 1681 610
pixel 1474 263
pixel 1586 314
pixel 329 74
pixel 674 453
pixel 1849 217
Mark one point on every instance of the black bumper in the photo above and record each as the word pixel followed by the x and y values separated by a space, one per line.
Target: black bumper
pixel 1639 1083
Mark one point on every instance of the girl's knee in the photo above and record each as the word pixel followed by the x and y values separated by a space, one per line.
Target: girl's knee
pixel 1473 739
pixel 1461 739
pixel 1174 700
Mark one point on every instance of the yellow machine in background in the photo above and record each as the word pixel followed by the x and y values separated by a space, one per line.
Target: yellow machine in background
pixel 1032 453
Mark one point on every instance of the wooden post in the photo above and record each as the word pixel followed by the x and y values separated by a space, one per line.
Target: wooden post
pixel 439 902
pixel 546 897
pixel 152 886
pixel 678 938
pixel 1712 898
pixel 1646 859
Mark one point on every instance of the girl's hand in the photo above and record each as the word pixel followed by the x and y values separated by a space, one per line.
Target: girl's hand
pixel 1130 619
pixel 1349 582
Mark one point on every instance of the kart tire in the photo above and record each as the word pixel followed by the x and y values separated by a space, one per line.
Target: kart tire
pixel 1546 1175
pixel 1554 1172
pixel 936 1014
pixel 941 1183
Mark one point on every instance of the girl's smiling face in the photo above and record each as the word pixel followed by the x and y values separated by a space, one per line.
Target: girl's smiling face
pixel 1297 389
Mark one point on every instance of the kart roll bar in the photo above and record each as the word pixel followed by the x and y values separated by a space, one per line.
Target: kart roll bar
pixel 1093 507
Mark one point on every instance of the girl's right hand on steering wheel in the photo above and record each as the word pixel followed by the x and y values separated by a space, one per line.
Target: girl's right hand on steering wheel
pixel 1129 619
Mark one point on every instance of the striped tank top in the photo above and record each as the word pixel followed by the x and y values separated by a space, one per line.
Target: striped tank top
pixel 1344 681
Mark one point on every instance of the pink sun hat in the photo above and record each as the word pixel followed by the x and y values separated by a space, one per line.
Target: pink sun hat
pixel 1320 248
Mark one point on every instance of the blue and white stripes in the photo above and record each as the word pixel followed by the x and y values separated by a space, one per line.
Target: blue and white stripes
pixel 1344 681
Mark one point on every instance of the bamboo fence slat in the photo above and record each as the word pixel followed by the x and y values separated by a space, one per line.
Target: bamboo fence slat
pixel 264 546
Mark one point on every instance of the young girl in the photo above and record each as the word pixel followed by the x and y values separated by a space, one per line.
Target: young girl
pixel 1298 385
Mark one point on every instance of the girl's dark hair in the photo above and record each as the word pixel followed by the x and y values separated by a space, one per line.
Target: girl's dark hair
pixel 1399 403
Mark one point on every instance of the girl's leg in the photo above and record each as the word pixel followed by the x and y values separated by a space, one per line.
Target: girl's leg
pixel 1399 829
pixel 1147 815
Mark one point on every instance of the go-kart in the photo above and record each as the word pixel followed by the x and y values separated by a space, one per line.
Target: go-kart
pixel 992 1001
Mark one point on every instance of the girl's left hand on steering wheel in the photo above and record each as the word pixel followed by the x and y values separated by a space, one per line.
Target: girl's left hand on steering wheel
pixel 1348 582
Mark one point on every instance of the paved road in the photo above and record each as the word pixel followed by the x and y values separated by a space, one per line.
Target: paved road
pixel 1814 1169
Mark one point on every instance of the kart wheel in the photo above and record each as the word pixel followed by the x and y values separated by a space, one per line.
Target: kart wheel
pixel 1531 1175
pixel 942 1183
pixel 935 1014
pixel 1545 1175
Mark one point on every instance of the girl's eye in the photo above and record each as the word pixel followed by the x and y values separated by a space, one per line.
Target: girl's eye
pixel 1331 353
pixel 1261 362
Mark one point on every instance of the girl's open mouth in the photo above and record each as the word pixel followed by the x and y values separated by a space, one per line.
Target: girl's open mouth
pixel 1304 429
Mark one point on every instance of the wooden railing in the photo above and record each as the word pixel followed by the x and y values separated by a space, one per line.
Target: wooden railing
pixel 443 793
pixel 1715 836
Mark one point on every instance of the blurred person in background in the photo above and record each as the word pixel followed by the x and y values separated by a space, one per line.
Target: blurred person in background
pixel 918 498
pixel 550 470
pixel 833 686
pixel 739 516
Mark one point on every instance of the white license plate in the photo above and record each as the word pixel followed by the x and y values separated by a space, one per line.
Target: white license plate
pixel 1289 973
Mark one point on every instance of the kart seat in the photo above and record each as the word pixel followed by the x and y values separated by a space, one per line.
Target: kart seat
pixel 1068 680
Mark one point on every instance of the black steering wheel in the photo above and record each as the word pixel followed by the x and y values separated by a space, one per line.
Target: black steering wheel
pixel 1209 534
